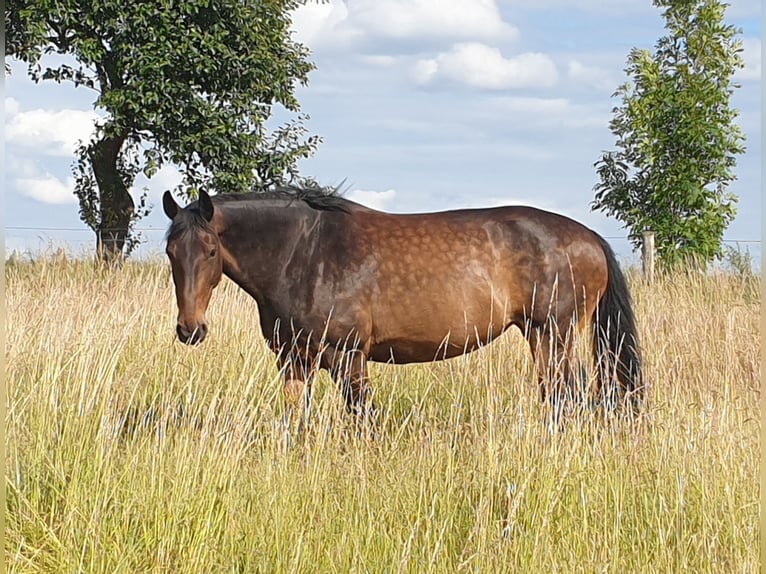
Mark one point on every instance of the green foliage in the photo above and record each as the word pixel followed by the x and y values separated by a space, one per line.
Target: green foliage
pixel 190 83
pixel 676 136
pixel 739 262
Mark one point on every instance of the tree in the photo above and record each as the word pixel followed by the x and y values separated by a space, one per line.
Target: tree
pixel 191 83
pixel 676 136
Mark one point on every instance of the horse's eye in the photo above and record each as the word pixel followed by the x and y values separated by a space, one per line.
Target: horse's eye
pixel 213 252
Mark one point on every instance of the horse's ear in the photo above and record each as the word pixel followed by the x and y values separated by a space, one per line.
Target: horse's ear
pixel 205 206
pixel 169 205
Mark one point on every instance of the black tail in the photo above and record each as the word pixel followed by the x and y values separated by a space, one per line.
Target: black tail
pixel 615 340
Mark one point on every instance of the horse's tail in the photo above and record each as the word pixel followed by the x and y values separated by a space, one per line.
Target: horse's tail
pixel 615 340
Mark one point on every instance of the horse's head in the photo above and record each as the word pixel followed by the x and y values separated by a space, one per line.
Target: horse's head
pixel 194 251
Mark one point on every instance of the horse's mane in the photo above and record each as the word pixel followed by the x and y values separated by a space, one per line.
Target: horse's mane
pixel 321 199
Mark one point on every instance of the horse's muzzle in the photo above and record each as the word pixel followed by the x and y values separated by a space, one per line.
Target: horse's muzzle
pixel 194 337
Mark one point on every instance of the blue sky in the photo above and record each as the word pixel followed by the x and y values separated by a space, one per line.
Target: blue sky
pixel 422 105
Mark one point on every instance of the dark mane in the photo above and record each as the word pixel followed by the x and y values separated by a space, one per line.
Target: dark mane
pixel 320 199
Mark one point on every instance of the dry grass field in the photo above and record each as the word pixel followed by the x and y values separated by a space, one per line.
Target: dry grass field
pixel 129 452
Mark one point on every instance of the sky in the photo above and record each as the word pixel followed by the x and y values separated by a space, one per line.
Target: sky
pixel 422 105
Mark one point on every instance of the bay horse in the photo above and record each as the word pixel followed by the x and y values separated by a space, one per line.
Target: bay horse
pixel 338 284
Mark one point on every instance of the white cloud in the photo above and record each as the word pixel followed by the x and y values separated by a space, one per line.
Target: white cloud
pixel 751 53
pixel 323 25
pixel 592 76
pixel 481 66
pixel 556 112
pixel 620 7
pixel 30 180
pixel 47 132
pixel 47 189
pixel 456 19
pixel 11 107
pixel 340 23
pixel 425 71
pixel 380 60
pixel 373 199
pixel 21 167
pixel 168 177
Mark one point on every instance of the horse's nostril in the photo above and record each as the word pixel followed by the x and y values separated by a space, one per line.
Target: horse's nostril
pixel 191 337
pixel 183 334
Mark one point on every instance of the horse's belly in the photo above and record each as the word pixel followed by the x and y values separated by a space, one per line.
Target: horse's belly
pixel 428 329
pixel 419 346
pixel 401 352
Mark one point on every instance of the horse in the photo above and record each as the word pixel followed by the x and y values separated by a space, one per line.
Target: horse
pixel 339 284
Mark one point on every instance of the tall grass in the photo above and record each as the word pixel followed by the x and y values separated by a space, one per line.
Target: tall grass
pixel 129 452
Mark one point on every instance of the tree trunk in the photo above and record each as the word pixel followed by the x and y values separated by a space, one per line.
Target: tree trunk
pixel 116 204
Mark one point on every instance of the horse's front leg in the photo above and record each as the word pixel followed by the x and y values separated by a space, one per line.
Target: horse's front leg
pixel 350 372
pixel 298 375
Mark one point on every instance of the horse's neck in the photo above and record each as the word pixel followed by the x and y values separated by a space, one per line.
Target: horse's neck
pixel 259 242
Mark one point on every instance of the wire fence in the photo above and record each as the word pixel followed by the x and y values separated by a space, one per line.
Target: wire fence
pixel 34 241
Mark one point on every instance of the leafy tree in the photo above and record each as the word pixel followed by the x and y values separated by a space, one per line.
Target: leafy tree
pixel 192 83
pixel 676 136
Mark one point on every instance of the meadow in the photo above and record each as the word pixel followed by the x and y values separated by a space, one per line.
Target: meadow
pixel 128 452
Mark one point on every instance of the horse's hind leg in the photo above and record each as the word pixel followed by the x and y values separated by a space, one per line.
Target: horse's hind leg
pixel 552 352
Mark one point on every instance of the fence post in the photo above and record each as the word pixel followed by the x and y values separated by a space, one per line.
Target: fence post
pixel 647 256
